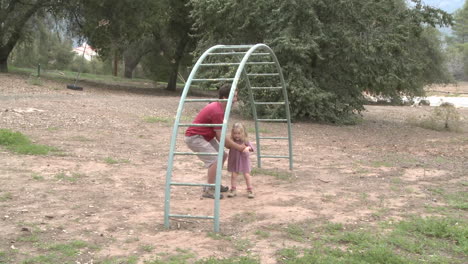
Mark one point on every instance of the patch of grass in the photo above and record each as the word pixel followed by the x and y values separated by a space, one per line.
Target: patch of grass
pixel 251 130
pixel 4 258
pixel 381 163
pixel 242 245
pixel 296 232
pixel 68 249
pixel 245 217
pixel 72 178
pixel 110 160
pixel 157 119
pixel 218 236
pixel 59 253
pixel 52 128
pixel 280 175
pixel 262 234
pixel 118 260
pixel 5 197
pixel 35 81
pixel 37 177
pixel 19 143
pixel 333 227
pixel 417 240
pixel 80 138
pixel 33 238
pixel 147 248
pixel 182 257
pixel 232 260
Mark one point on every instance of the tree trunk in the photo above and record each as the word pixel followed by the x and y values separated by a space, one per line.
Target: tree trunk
pixel 116 64
pixel 4 64
pixel 179 53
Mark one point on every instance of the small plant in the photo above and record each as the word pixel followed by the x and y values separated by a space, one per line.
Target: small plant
pixel 5 197
pixel 126 260
pixel 280 175
pixel 35 81
pixel 147 248
pixel 72 178
pixel 110 160
pixel 443 117
pixel 156 119
pixel 37 176
pixel 296 232
pixel 262 234
pixel 242 244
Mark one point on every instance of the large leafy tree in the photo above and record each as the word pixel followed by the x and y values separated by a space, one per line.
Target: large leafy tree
pixel 14 18
pixel 458 43
pixel 331 51
pixel 116 27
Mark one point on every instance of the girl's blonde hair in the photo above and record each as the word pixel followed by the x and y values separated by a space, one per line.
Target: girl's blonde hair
pixel 241 128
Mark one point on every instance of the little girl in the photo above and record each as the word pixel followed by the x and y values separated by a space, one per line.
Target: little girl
pixel 239 162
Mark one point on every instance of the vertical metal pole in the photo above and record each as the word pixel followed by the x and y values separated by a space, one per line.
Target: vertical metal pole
pixel 170 164
pixel 286 104
pixel 38 70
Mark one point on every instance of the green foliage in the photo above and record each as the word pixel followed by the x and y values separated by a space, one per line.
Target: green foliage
pixel 43 44
pixel 332 51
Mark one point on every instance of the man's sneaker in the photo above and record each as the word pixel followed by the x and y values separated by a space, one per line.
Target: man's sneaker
pixel 232 193
pixel 250 194
pixel 224 188
pixel 209 193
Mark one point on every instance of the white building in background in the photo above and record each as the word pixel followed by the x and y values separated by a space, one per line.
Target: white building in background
pixel 89 52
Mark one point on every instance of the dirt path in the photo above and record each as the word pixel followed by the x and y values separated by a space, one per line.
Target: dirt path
pixel 106 186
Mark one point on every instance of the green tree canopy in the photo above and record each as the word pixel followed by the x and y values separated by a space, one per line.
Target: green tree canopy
pixel 332 51
pixel 14 18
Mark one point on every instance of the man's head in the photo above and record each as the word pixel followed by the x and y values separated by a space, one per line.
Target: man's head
pixel 224 91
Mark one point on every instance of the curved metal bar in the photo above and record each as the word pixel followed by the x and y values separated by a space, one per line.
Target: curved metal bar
pixel 180 109
pixel 240 70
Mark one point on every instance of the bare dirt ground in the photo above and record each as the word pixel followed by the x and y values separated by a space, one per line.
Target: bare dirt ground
pixel 106 184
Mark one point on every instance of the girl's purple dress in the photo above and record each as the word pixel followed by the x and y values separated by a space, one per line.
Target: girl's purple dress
pixel 239 161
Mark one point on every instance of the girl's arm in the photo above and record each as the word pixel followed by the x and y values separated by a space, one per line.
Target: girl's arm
pixel 231 144
pixel 251 148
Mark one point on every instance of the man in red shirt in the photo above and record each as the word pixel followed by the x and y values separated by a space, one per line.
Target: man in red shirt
pixel 206 139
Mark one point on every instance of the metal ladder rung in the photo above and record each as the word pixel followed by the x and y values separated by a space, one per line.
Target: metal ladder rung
pixel 269 103
pixel 274 156
pixel 191 216
pixel 266 88
pixel 235 53
pixel 272 120
pixel 197 153
pixel 236 47
pixel 273 137
pixel 221 64
pixel 213 80
pixel 260 63
pixel 200 125
pixel 237 63
pixel 263 74
pixel 206 100
pixel 191 184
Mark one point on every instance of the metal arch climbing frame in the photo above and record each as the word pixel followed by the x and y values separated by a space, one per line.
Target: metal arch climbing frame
pixel 226 50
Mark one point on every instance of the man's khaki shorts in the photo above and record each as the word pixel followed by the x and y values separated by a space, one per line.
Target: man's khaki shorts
pixel 198 143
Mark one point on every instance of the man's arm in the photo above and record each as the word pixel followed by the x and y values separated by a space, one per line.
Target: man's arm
pixel 231 144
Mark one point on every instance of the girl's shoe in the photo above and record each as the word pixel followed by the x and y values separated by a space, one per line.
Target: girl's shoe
pixel 232 193
pixel 250 194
